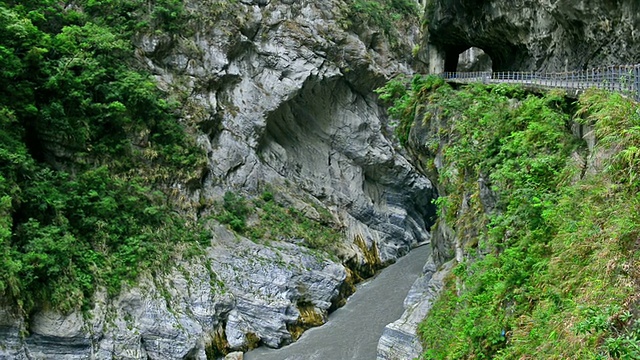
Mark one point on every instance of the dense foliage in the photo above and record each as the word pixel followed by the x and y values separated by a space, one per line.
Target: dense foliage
pixel 551 272
pixel 272 220
pixel 92 155
pixel 387 15
pixel 88 151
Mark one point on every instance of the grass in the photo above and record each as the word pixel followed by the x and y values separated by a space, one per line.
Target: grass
pixel 386 15
pixel 273 220
pixel 552 270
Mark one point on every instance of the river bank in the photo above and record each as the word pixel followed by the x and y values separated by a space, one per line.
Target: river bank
pixel 352 331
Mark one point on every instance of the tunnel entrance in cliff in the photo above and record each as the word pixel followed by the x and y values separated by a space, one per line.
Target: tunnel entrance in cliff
pixel 472 59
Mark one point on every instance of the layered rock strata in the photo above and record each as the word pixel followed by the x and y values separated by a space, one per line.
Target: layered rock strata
pixel 280 94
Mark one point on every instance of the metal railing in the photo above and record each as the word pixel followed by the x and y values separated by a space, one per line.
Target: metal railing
pixel 624 79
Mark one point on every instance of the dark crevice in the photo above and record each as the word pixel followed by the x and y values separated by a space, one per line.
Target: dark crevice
pixel 34 143
pixel 451 60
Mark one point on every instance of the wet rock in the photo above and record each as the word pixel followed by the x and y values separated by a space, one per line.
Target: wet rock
pixel 268 283
pixel 399 339
pixel 253 291
pixel 236 355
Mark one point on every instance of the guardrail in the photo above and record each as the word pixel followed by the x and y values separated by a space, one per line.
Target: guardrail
pixel 624 79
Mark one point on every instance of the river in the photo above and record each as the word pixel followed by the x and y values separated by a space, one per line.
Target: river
pixel 352 331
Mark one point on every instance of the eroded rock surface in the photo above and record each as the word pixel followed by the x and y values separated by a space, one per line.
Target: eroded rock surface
pixel 244 290
pixel 400 339
pixel 280 94
pixel 535 34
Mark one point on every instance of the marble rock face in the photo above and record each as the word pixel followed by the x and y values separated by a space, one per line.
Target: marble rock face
pixel 400 339
pixel 541 35
pixel 279 94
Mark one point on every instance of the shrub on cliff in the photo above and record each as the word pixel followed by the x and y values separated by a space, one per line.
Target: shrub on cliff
pixel 88 150
pixel 550 272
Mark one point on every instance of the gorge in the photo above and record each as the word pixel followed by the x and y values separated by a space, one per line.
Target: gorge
pixel 184 180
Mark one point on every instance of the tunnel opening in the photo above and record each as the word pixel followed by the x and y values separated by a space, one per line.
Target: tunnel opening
pixel 474 59
pixel 451 58
pixel 467 59
pixel 477 56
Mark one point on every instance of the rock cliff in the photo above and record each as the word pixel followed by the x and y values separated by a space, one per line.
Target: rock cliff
pixel 534 34
pixel 279 93
pixel 524 35
pixel 400 339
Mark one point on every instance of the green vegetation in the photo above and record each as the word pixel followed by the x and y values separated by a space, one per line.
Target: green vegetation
pixel 274 221
pixel 135 15
pixel 405 100
pixel 89 150
pixel 388 15
pixel 235 211
pixel 553 269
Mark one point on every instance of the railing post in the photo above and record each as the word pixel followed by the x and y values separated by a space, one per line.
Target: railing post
pixel 625 80
pixel 599 82
pixel 541 77
pixel 621 79
pixel 636 80
pixel 610 78
pixel 599 78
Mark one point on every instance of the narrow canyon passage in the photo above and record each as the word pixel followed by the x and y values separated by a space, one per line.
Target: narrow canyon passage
pixel 352 331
